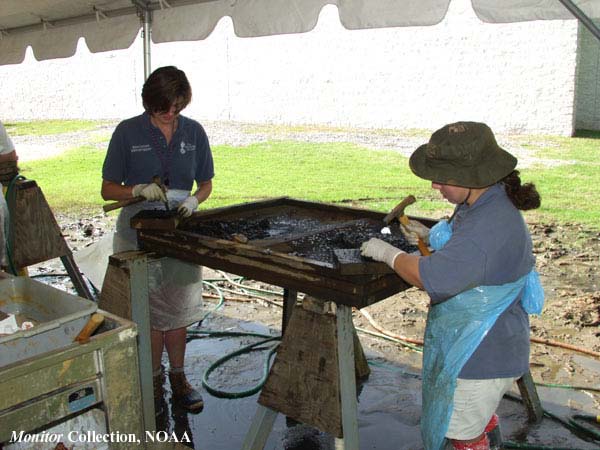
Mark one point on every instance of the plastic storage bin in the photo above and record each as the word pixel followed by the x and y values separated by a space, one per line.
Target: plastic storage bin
pixel 59 317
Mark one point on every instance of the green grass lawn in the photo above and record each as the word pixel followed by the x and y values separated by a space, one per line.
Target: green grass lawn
pixel 44 127
pixel 338 173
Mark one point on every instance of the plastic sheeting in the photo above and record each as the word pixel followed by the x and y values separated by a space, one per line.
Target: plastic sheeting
pixel 175 287
pixel 52 28
pixel 454 330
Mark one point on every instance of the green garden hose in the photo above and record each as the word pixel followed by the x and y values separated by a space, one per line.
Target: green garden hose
pixel 197 333
pixel 248 392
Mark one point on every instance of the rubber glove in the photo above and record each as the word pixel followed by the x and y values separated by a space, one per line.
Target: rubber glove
pixel 151 192
pixel 188 206
pixel 380 251
pixel 413 230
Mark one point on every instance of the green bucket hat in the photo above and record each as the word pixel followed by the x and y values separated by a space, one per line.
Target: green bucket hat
pixel 462 154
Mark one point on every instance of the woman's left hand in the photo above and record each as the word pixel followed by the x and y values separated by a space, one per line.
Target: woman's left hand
pixel 380 251
pixel 188 206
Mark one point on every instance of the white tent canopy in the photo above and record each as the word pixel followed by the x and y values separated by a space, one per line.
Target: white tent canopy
pixel 53 27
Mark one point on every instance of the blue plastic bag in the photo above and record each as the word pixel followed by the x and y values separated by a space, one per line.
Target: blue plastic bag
pixel 439 234
pixel 533 294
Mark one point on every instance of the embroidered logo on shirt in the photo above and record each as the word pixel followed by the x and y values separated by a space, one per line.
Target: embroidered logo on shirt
pixel 140 148
pixel 183 148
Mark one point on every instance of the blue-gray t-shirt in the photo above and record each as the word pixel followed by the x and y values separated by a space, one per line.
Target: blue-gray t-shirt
pixel 490 246
pixel 137 151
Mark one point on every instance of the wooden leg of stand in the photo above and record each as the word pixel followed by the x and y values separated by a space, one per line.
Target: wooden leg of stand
pixel 260 428
pixel 289 301
pixel 76 277
pixel 530 398
pixel 125 293
pixel 345 335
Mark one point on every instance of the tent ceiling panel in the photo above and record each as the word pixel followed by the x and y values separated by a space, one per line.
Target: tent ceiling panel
pixel 53 27
pixel 505 11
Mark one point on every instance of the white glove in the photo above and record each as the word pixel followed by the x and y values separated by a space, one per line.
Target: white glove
pixel 380 251
pixel 151 192
pixel 188 206
pixel 413 230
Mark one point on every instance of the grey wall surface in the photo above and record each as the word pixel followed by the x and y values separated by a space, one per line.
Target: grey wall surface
pixel 516 77
pixel 587 92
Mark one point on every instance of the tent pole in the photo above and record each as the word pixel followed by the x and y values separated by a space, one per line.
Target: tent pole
pixel 582 17
pixel 147 30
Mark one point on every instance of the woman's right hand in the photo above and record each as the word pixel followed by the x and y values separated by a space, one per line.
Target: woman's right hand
pixel 151 192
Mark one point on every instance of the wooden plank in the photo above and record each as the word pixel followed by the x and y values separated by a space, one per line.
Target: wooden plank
pixel 237 209
pixel 115 296
pixel 278 264
pixel 311 277
pixel 250 260
pixel 276 205
pixel 34 232
pixel 303 383
pixel 155 220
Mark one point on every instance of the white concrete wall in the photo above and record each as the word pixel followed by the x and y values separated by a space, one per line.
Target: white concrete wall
pixel 516 77
pixel 587 111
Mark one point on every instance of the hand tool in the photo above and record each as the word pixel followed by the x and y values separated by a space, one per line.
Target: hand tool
pixel 88 329
pixel 121 203
pixel 130 201
pixel 163 187
pixel 398 212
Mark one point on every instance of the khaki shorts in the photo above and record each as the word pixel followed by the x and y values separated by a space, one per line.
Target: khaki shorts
pixel 474 403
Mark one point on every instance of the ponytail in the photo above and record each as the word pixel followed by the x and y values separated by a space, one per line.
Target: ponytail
pixel 525 196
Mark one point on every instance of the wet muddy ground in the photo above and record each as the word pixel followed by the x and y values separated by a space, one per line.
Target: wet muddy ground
pixel 568 258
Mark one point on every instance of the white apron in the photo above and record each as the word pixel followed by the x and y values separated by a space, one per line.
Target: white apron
pixel 174 286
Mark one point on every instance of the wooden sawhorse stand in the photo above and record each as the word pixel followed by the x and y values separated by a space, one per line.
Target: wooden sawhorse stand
pixel 36 236
pixel 125 294
pixel 313 377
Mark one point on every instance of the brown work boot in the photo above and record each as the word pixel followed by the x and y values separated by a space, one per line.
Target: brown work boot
pixel 183 392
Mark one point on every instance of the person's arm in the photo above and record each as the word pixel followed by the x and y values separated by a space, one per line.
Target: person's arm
pixel 405 265
pixel 11 156
pixel 204 190
pixel 115 191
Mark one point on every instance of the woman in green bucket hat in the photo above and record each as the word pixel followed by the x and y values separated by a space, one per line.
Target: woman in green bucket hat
pixel 481 282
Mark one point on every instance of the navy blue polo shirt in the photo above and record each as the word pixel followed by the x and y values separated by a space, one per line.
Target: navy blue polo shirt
pixel 490 246
pixel 137 151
